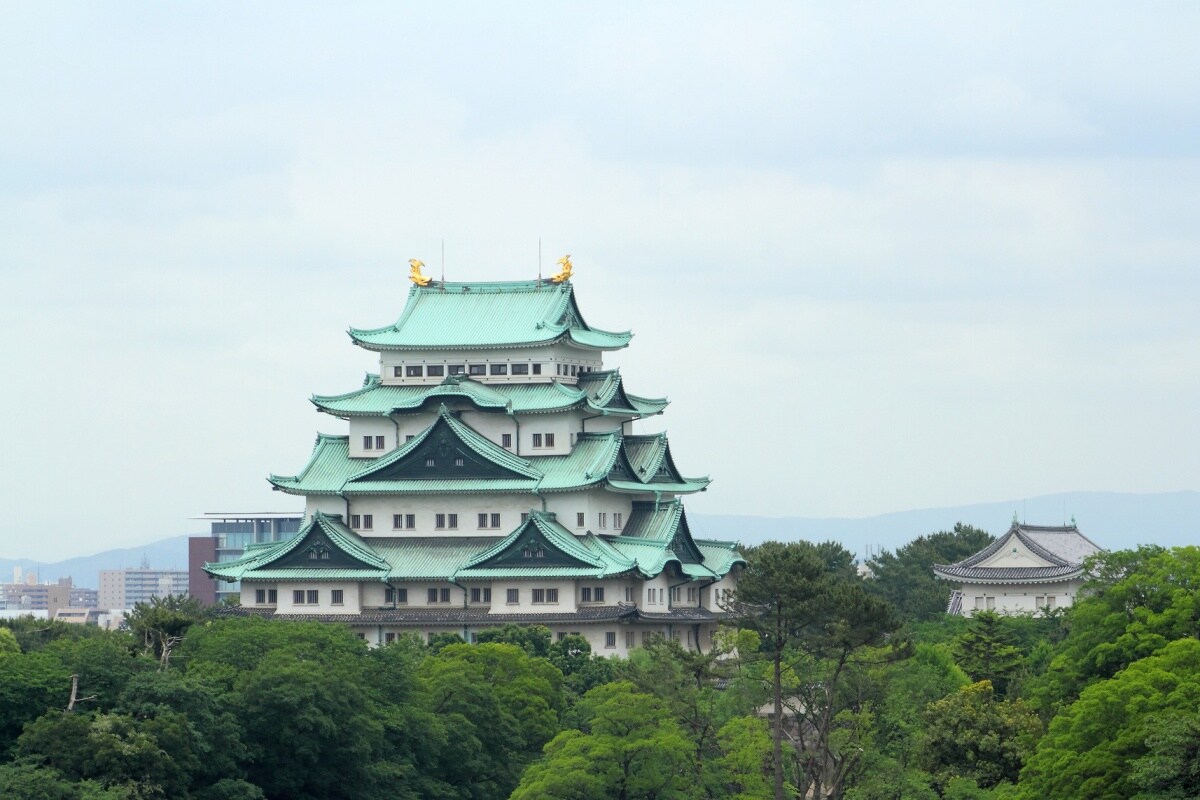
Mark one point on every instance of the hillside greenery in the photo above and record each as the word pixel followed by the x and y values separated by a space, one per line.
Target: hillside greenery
pixel 824 685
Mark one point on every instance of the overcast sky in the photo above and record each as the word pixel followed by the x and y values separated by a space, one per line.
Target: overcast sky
pixel 879 257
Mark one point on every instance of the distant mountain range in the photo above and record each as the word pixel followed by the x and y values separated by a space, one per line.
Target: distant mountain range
pixel 1113 520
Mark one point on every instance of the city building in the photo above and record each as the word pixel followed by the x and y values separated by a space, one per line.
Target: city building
pixel 1031 569
pixel 229 534
pixel 124 588
pixel 490 475
pixel 27 595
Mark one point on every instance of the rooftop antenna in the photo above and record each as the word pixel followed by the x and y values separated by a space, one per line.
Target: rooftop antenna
pixel 443 265
pixel 539 259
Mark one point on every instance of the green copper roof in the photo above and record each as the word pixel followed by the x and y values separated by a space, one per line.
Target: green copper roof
pixel 658 532
pixel 597 459
pixel 326 550
pixel 488 315
pixel 600 392
pixel 541 547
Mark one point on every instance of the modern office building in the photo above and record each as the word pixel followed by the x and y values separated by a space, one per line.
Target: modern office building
pixel 124 588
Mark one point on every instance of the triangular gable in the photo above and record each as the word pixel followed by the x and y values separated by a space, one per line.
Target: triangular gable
pixel 682 544
pixel 535 544
pixel 324 544
pixel 448 449
pixel 646 459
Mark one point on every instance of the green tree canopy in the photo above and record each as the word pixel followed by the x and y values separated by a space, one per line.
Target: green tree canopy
pixel 905 579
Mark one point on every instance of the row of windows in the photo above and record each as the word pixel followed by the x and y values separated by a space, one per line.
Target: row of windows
pixel 479 370
pixel 484 521
pixel 437 596
pixel 441 370
pixel 306 597
pixel 540 440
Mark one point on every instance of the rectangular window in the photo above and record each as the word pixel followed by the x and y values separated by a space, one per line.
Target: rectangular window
pixel 401 596
pixel 272 596
pixel 618 520
pixel 603 520
pixel 397 372
pixel 298 597
pixel 562 635
pixel 674 594
pixel 389 638
pixel 483 520
pixel 487 594
pixel 495 520
pixel 628 594
pixel 398 522
pixel 458 462
pixel 585 594
pixel 444 595
pixel 558 369
pixel 524 516
pixel 552 595
pixel 537 440
pixel 499 369
pixel 477 369
pixel 537 369
pixel 311 597
pixel 599 594
pixel 506 441
pixel 431 462
pixel 579 523
pixel 368 443
pixel 260 596
pixel 431 595
pixel 355 521
pixel 336 597
pixel 610 639
pixel 452 521
pixel 991 604
pixel 412 372
pixel 574 369
pixel 520 369
pixel 454 369
pixel 439 521
pixel 389 595
pixel 1051 602
pixel 539 595
pixel 368 521
pixel 476 594
pixel 379 443
pixel 549 440
pixel 409 437
pixel 513 597
pixel 630 641
pixel 435 371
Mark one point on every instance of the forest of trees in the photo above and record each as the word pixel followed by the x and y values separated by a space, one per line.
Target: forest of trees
pixel 824 685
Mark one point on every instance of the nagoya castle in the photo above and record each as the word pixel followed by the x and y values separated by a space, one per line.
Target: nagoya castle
pixel 491 475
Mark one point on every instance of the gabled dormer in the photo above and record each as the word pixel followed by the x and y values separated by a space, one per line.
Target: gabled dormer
pixel 539 547
pixel 447 450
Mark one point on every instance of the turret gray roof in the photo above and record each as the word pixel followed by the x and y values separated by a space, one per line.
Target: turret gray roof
pixel 1061 545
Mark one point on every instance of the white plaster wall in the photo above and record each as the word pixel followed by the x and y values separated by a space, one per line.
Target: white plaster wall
pixel 426 507
pixel 548 357
pixel 326 504
pixel 1014 553
pixel 661 603
pixel 591 503
pixel 371 426
pixel 711 595
pixel 1017 599
pixel 351 604
pixel 500 605
pixel 248 592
